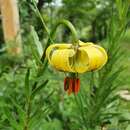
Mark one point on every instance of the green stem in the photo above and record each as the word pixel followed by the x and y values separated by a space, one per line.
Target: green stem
pixel 92 80
pixel 68 24
pixel 28 110
pixel 43 21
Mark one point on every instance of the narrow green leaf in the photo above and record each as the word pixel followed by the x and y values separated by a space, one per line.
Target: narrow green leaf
pixel 37 89
pixel 27 86
pixel 11 119
pixel 21 112
pixel 36 41
pixel 35 46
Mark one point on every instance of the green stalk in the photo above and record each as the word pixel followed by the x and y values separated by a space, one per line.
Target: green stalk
pixel 28 110
pixel 68 24
pixel 43 21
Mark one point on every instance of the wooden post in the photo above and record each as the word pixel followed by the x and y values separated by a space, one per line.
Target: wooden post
pixel 11 27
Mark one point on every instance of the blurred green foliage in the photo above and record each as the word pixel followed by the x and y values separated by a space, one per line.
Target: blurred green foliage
pixel 31 92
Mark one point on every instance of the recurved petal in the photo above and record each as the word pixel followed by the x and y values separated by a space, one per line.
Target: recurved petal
pixel 97 56
pixel 54 47
pixel 60 59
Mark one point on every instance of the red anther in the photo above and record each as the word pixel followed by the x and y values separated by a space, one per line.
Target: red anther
pixel 77 86
pixel 70 89
pixel 66 83
pixel 72 85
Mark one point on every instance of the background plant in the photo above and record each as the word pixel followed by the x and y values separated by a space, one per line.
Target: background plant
pixel 100 21
pixel 99 104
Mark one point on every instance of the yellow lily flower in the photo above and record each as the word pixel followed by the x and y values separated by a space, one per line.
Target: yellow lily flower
pixel 76 59
pixel 85 57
